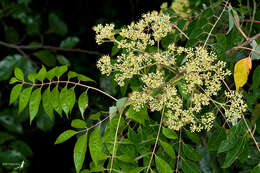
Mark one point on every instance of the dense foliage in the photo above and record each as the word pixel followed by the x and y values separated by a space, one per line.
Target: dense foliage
pixel 179 91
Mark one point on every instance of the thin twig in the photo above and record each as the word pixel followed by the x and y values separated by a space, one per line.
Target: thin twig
pixel 179 151
pixel 251 134
pixel 251 21
pixel 248 41
pixel 239 28
pixel 246 48
pixel 215 24
pixel 175 26
pixel 156 142
pixel 29 47
pixel 74 83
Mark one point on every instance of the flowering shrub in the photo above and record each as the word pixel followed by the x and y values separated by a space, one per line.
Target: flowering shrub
pixel 200 74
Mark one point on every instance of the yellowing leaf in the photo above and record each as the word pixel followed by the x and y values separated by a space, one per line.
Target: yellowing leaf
pixel 242 69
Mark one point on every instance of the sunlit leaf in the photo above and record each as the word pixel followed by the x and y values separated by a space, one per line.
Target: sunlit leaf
pixel 77 123
pixel 65 136
pixel 162 166
pixel 168 149
pixel 24 98
pixel 34 104
pixel 18 73
pixel 61 70
pixel 83 103
pixel 46 99
pixel 241 71
pixel 55 101
pixel 139 116
pixel 15 93
pixel 80 152
pixel 64 100
pixel 169 133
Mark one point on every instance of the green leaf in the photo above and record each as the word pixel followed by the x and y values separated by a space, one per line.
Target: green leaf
pixel 137 170
pixel 95 146
pixel 61 70
pixel 34 104
pixel 46 102
pixel 32 77
pixel 8 64
pixel 46 57
pixel 233 154
pixel 83 103
pixel 69 42
pixel 80 152
pixel 182 88
pixel 15 93
pixel 18 73
pixel 64 100
pixel 216 138
pixel 5 137
pixel 256 79
pixel 120 103
pixel 168 149
pixel 256 169
pixel 190 152
pixel 126 158
pixel 65 136
pixel 72 74
pixel 22 147
pixel 169 133
pixel 55 101
pixel 84 78
pixel 189 167
pixel 56 25
pixel 162 166
pixel 256 55
pixel 192 136
pixel 77 123
pixel 95 116
pixel 13 80
pixel 228 144
pixel 51 73
pixel 24 98
pixel 63 60
pixel 42 74
pixel 71 98
pixel 139 116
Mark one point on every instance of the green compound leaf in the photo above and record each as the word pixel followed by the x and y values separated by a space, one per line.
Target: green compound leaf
pixel 190 152
pixel 216 138
pixel 139 116
pixel 65 136
pixel 233 154
pixel 24 98
pixel 162 166
pixel 95 146
pixel 80 152
pixel 77 123
pixel 15 93
pixel 34 104
pixel 169 133
pixel 46 102
pixel 69 42
pixel 83 103
pixel 61 70
pixel 32 77
pixel 168 149
pixel 42 74
pixel 55 101
pixel 64 101
pixel 189 167
pixel 18 73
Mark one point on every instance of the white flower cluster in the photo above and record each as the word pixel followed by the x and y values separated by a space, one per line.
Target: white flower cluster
pixel 200 71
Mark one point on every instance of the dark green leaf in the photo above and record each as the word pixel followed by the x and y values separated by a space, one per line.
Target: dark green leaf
pixel 42 74
pixel 15 93
pixel 137 170
pixel 64 100
pixel 256 79
pixel 192 136
pixel 83 103
pixel 24 98
pixel 44 122
pixel 22 147
pixel 65 136
pixel 189 167
pixel 8 64
pixel 169 133
pixel 46 102
pixel 46 57
pixel 63 60
pixel 80 152
pixel 216 137
pixel 168 149
pixel 126 158
pixel 55 101
pixel 190 152
pixel 34 104
pixel 18 73
pixel 77 123
pixel 139 116
pixel 61 70
pixel 233 154
pixel 5 137
pixel 228 144
pixel 56 25
pixel 162 166
pixel 95 146
pixel 69 42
